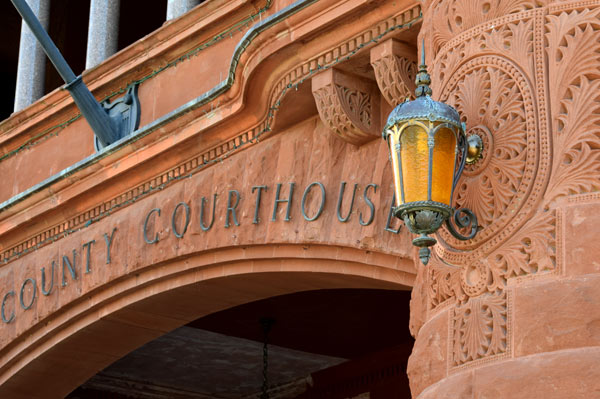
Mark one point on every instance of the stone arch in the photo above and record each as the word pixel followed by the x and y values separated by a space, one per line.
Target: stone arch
pixel 66 348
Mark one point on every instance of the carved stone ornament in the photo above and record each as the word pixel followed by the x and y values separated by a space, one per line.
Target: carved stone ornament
pixel 395 66
pixel 479 329
pixel 494 99
pixel 348 105
pixel 523 76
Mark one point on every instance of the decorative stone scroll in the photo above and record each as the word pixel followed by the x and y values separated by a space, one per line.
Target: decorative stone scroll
pixel 348 105
pixel 395 66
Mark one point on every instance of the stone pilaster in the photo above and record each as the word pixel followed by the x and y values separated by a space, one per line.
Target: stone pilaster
pixel 511 312
pixel 103 32
pixel 176 8
pixel 32 60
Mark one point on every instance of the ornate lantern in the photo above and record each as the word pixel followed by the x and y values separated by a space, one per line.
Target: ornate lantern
pixel 428 150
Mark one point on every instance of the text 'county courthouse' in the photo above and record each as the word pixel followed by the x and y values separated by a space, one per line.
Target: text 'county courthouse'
pixel 240 239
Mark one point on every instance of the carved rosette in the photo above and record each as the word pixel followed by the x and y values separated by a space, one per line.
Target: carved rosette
pixel 395 69
pixel 348 105
pixel 494 100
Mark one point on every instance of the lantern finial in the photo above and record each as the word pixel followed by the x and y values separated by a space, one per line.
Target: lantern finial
pixel 423 79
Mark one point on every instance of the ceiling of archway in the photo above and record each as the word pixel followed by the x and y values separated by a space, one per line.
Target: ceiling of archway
pixel 220 355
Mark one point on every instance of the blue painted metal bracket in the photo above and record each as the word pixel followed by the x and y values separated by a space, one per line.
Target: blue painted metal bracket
pixel 110 122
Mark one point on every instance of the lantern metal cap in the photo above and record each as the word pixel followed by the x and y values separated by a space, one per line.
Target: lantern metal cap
pixel 424 107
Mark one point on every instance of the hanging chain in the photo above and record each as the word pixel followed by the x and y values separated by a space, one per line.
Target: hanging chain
pixel 266 324
pixel 265 384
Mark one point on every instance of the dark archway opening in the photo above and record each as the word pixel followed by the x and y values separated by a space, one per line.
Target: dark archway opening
pixel 338 343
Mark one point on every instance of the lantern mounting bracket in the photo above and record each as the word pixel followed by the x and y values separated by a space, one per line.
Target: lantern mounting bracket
pixel 475 149
pixel 124 112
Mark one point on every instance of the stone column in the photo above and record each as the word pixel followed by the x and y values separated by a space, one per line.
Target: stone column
pixel 103 31
pixel 515 312
pixel 32 60
pixel 176 8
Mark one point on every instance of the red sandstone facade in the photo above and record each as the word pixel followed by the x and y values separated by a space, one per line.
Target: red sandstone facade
pixel 232 190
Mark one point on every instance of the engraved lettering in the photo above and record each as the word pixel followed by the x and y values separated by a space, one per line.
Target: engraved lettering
pixel 186 210
pixel 369 204
pixel 258 196
pixel 87 246
pixel 321 206
pixel 44 292
pixel 278 200
pixel 212 220
pixel 3 313
pixel 71 266
pixel 231 209
pixel 146 239
pixel 22 293
pixel 341 200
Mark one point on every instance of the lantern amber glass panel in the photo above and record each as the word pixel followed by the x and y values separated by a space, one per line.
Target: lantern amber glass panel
pixel 414 154
pixel 443 165
pixel 411 153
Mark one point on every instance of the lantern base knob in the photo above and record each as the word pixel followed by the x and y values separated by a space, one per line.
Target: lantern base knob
pixel 424 255
pixel 424 242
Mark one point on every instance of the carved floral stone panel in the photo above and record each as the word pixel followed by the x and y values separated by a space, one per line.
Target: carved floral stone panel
pixel 447 19
pixel 478 329
pixel 573 51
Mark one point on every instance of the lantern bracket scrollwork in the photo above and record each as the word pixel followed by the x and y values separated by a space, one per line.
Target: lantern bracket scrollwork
pixel 463 218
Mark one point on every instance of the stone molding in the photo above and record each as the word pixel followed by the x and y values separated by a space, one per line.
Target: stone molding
pixel 395 66
pixel 348 105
